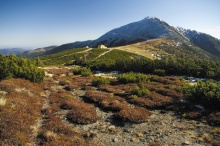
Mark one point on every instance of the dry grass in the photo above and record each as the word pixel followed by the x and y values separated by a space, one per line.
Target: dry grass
pixel 133 115
pixel 56 133
pixel 20 113
pixel 145 48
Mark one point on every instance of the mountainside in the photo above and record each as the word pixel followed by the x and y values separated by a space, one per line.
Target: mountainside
pixel 12 51
pixel 202 40
pixel 36 52
pixel 146 29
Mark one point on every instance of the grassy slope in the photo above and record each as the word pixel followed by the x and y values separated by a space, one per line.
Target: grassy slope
pixel 164 47
pixel 152 49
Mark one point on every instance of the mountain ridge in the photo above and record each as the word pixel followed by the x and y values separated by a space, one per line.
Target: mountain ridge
pixel 143 30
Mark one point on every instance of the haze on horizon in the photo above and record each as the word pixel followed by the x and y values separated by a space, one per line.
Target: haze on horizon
pixel 41 23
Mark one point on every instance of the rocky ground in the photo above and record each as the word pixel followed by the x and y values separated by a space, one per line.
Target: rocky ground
pixel 163 128
pixel 63 93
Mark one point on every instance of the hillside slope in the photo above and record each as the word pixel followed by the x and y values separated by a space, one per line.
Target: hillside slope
pixel 36 52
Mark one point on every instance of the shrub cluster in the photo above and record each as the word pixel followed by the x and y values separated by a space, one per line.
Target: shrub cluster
pixel 206 93
pixel 100 81
pixel 13 67
pixel 140 91
pixel 132 78
pixel 159 72
pixel 85 72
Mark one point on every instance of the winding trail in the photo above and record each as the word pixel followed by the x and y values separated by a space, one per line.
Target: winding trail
pixel 103 53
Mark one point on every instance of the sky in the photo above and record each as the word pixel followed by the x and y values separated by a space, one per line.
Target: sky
pixel 32 24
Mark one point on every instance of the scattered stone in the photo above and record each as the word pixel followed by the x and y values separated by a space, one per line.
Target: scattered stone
pixel 199 107
pixel 132 139
pixel 115 140
pixel 158 133
pixel 112 129
pixel 186 143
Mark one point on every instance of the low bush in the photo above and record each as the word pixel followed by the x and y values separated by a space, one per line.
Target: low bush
pixel 132 78
pixel 140 91
pixel 83 115
pixel 133 115
pixel 13 67
pixel 159 72
pixel 114 106
pixel 205 93
pixel 100 81
pixel 85 72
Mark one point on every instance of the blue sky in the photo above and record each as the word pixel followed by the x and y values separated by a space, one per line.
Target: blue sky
pixel 38 23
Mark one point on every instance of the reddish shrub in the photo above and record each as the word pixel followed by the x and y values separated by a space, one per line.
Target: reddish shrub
pixel 86 114
pixel 133 115
pixel 114 106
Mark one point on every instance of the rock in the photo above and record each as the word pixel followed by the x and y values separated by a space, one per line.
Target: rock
pixel 115 140
pixel 112 129
pixel 132 139
pixel 199 107
pixel 158 133
pixel 186 142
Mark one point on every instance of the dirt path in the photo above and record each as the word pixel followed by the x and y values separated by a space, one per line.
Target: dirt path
pixel 73 53
pixel 103 54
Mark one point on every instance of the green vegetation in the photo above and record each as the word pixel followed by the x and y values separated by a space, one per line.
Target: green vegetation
pixel 100 81
pixel 13 67
pixel 77 55
pixel 140 91
pixel 159 72
pixel 132 78
pixel 85 72
pixel 205 93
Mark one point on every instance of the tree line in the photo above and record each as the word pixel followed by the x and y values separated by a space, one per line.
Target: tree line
pixel 168 65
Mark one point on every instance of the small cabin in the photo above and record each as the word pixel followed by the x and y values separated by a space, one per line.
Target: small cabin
pixel 102 46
